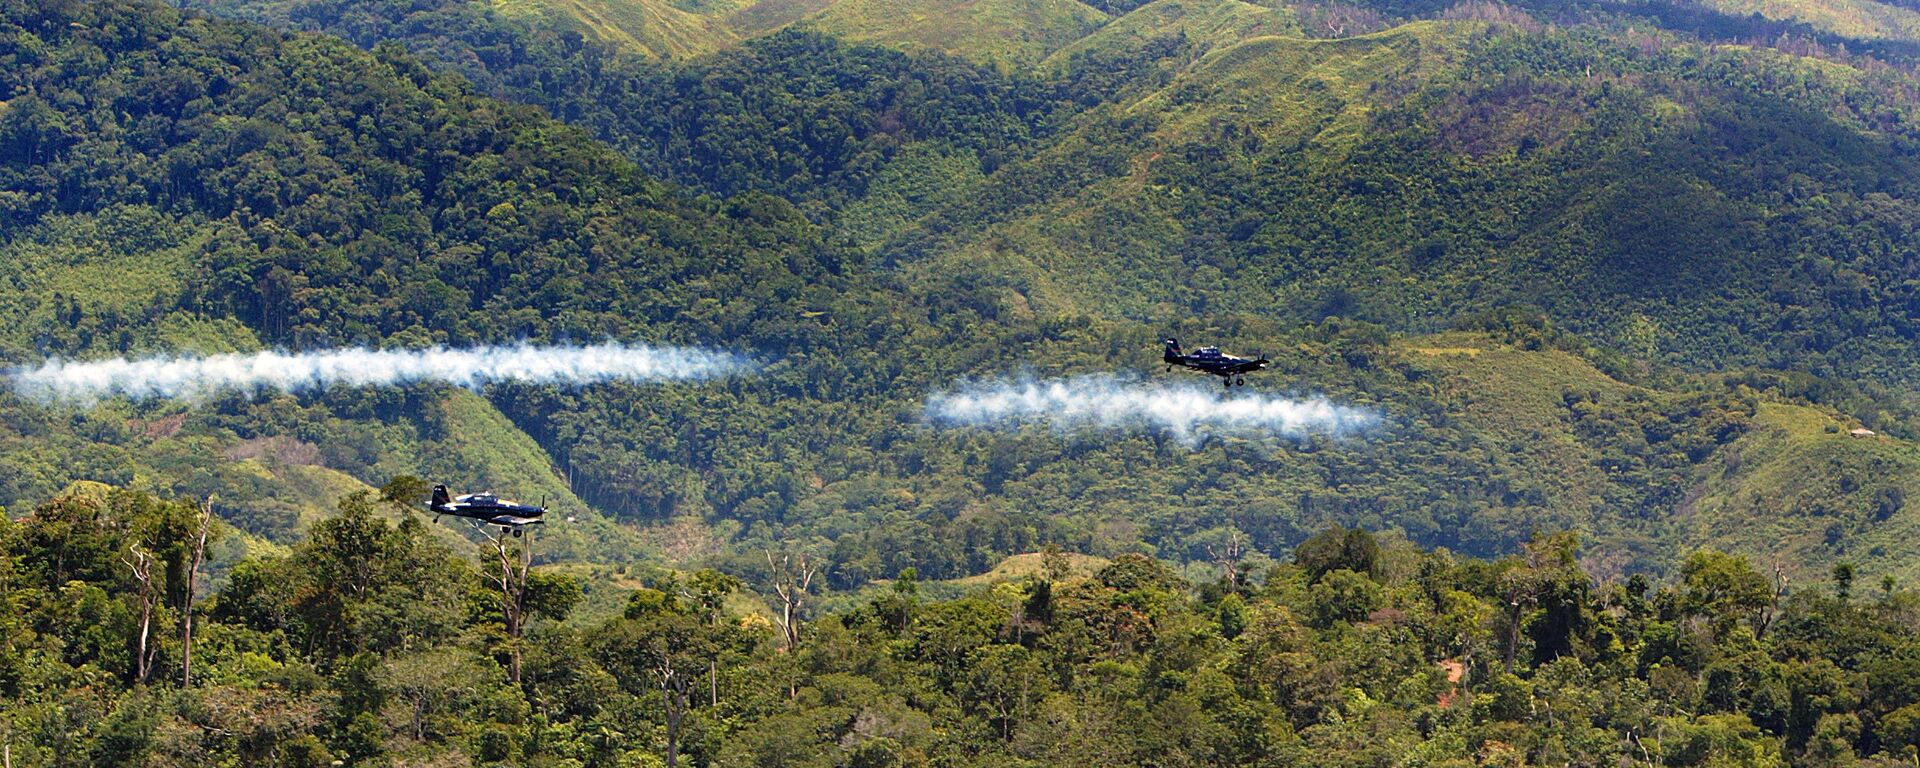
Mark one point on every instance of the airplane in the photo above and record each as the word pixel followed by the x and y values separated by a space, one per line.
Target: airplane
pixel 487 509
pixel 1231 370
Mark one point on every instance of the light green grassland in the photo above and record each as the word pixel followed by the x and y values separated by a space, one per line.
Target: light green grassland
pixel 1201 25
pixel 1004 32
pixel 1800 490
pixel 1861 19
pixel 656 28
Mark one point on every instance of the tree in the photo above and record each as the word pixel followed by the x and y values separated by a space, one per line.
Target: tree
pixel 358 583
pixel 1334 549
pixel 513 555
pixel 1229 556
pixel 660 648
pixel 199 552
pixel 1342 596
pixel 1232 615
pixel 709 590
pixel 791 577
pixel 1005 680
pixel 1054 563
pixel 140 567
pixel 1724 589
pixel 405 491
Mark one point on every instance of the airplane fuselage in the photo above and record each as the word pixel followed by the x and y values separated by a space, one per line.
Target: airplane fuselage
pixel 486 508
pixel 1210 360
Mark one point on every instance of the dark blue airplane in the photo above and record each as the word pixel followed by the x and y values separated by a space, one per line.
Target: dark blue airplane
pixel 487 509
pixel 1210 360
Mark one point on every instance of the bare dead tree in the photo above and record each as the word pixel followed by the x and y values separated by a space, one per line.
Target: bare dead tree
pixel 674 685
pixel 1229 556
pixel 193 582
pixel 1520 590
pixel 514 563
pixel 1781 578
pixel 140 564
pixel 792 577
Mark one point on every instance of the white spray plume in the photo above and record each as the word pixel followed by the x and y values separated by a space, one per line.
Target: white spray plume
pixel 194 377
pixel 1189 412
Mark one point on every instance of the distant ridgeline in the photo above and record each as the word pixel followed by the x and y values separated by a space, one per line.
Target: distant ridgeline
pixel 1729 225
pixel 372 643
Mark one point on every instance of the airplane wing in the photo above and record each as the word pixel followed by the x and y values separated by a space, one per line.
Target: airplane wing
pixel 514 520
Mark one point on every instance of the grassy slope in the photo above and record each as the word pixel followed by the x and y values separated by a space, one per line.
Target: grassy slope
pixel 1860 19
pixel 1294 90
pixel 1796 487
pixel 1021 566
pixel 769 15
pixel 657 28
pixel 1006 32
pixel 1204 25
pixel 1113 244
pixel 1793 490
pixel 166 449
pixel 1515 398
pixel 125 262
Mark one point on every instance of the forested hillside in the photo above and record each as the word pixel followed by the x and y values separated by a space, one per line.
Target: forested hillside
pixel 370 643
pixel 1471 158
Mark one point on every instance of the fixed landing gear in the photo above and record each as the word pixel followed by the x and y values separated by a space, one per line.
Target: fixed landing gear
pixel 1230 381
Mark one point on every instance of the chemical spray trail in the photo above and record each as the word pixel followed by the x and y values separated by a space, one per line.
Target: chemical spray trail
pixel 1188 412
pixel 195 377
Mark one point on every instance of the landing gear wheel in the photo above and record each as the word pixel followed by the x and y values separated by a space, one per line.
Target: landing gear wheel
pixel 1226 382
pixel 1242 381
pixel 517 533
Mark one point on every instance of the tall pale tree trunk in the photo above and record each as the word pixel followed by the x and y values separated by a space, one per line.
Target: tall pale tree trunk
pixel 140 565
pixel 514 563
pixel 791 580
pixel 193 582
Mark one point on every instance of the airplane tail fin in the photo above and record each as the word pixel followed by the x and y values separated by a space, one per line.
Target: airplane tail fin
pixel 440 497
pixel 1173 350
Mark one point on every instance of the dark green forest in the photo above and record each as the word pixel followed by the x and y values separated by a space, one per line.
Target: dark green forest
pixel 371 643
